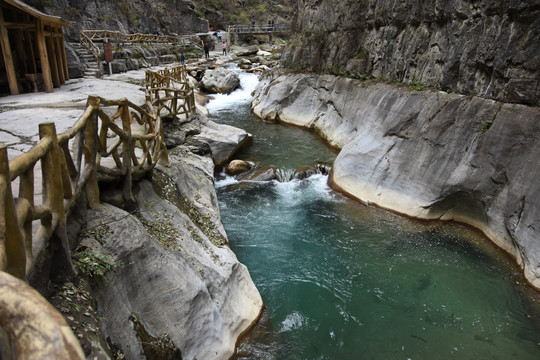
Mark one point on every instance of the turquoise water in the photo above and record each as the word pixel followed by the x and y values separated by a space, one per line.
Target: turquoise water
pixel 341 280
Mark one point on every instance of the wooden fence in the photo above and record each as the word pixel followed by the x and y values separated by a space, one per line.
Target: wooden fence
pixel 88 38
pixel 258 29
pixel 169 92
pixel 112 140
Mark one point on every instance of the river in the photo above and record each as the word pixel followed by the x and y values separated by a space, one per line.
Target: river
pixel 342 280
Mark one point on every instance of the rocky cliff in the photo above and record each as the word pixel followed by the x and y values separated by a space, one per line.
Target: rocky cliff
pixel 169 16
pixel 487 48
pixel 427 154
pixel 137 16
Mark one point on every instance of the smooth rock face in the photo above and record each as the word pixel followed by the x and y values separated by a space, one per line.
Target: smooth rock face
pixel 223 139
pixel 220 80
pixel 426 154
pixel 173 281
pixel 483 47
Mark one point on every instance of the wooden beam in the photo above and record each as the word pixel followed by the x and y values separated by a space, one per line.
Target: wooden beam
pixel 45 67
pixel 49 41
pixel 21 54
pixel 59 57
pixel 8 56
pixel 30 48
pixel 20 26
pixel 64 57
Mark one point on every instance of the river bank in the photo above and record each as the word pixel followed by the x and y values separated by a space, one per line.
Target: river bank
pixel 426 154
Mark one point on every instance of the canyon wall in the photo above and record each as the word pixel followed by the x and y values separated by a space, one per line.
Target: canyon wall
pixel 426 154
pixel 137 16
pixel 487 48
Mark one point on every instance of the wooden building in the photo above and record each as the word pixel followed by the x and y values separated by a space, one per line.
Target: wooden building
pixel 33 52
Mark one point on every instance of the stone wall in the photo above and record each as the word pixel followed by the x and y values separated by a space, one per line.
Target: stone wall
pixel 488 48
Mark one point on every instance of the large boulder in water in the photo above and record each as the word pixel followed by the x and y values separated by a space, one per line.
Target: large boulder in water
pixel 236 167
pixel 224 140
pixel 220 80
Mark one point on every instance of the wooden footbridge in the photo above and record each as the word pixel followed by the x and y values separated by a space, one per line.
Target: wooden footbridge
pixel 257 29
pixel 112 139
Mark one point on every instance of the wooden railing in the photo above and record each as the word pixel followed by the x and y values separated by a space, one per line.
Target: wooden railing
pixel 169 92
pixel 123 145
pixel 89 44
pixel 256 29
pixel 122 38
pixel 112 140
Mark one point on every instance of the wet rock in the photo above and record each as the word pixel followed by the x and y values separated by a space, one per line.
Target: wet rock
pixel 303 172
pixel 260 68
pixel 266 173
pixel 236 167
pixel 220 80
pixel 244 64
pixel 75 66
pixel 224 140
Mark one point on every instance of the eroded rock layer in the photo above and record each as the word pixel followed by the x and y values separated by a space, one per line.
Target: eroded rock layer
pixel 482 47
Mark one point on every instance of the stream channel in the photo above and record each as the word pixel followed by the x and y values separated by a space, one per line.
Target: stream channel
pixel 342 280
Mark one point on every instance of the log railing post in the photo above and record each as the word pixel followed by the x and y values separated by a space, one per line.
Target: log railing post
pixel 12 253
pixel 53 193
pixel 127 149
pixel 26 192
pixel 90 153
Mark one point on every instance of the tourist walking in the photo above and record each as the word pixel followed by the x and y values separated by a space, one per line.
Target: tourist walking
pixel 219 35
pixel 224 48
pixel 182 58
pixel 206 51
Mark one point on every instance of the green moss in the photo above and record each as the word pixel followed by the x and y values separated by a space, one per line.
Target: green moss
pixel 93 264
pixel 338 71
pixel 98 232
pixel 163 231
pixel 165 187
pixel 415 86
pixel 487 125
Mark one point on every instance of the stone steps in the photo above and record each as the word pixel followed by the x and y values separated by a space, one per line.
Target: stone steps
pixel 92 68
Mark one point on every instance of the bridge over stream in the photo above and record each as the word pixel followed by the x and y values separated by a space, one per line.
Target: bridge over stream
pixel 258 29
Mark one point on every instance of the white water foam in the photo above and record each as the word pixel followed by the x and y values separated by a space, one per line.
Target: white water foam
pixel 315 186
pixel 225 181
pixel 248 83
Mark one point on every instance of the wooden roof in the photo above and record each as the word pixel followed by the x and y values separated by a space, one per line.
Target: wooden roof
pixel 36 13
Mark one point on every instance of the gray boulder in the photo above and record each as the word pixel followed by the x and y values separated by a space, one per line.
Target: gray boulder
pixel 172 287
pixel 224 140
pixel 220 80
